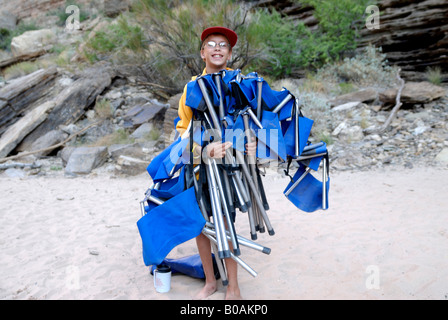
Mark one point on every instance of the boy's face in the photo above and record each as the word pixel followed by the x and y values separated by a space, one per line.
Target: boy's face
pixel 217 57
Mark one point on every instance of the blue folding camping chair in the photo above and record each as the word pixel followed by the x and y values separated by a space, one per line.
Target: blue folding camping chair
pixel 172 211
pixel 305 191
pixel 281 114
pixel 169 224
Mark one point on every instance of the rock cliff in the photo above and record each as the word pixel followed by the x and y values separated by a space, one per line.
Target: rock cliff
pixel 413 33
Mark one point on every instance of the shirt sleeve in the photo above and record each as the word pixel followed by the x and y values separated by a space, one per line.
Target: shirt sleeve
pixel 185 113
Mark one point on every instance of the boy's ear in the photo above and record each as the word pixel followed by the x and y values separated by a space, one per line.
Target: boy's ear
pixel 202 55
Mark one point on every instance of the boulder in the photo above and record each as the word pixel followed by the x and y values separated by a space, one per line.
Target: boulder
pixel 130 166
pixel 138 115
pixel 143 131
pixel 131 150
pixel 65 154
pixel 23 94
pixel 70 129
pixel 47 140
pixel 414 93
pixel 31 42
pixel 365 95
pixel 348 133
pixel 84 159
pixel 15 133
pixel 15 173
pixel 102 129
pixel 346 106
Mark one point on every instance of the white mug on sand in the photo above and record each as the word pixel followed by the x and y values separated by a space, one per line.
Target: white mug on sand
pixel 162 278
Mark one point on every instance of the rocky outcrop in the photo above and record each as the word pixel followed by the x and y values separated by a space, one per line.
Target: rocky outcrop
pixel 291 9
pixel 20 95
pixel 413 33
pixel 414 93
pixel 24 126
pixel 29 8
pixel 72 102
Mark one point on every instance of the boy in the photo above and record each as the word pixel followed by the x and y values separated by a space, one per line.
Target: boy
pixel 216 51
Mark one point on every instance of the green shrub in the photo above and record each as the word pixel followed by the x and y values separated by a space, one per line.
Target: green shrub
pixel 5 38
pixel 103 109
pixel 345 87
pixel 368 68
pixel 26 67
pixel 290 47
pixel 152 135
pixel 120 136
pixel 267 42
pixel 115 39
pixel 337 30
pixel 173 30
pixel 434 75
pixel 275 43
pixel 20 69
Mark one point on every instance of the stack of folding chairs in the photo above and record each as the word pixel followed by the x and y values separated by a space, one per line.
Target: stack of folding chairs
pixel 190 196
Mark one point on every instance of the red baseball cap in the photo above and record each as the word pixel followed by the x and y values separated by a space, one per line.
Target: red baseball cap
pixel 229 34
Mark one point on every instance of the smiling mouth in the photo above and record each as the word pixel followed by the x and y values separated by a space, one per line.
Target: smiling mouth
pixel 217 56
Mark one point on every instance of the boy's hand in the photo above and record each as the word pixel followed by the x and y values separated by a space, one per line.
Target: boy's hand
pixel 251 147
pixel 217 150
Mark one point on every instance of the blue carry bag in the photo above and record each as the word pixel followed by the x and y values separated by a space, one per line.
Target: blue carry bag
pixel 307 195
pixel 176 221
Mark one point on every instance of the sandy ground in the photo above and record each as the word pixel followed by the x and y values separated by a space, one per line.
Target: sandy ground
pixel 385 236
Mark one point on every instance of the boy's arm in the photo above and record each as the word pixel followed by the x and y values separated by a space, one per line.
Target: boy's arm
pixel 185 114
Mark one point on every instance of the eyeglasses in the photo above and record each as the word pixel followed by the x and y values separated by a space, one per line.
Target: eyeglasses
pixel 213 44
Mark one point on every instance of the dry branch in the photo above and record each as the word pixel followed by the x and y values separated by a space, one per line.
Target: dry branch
pixel 397 106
